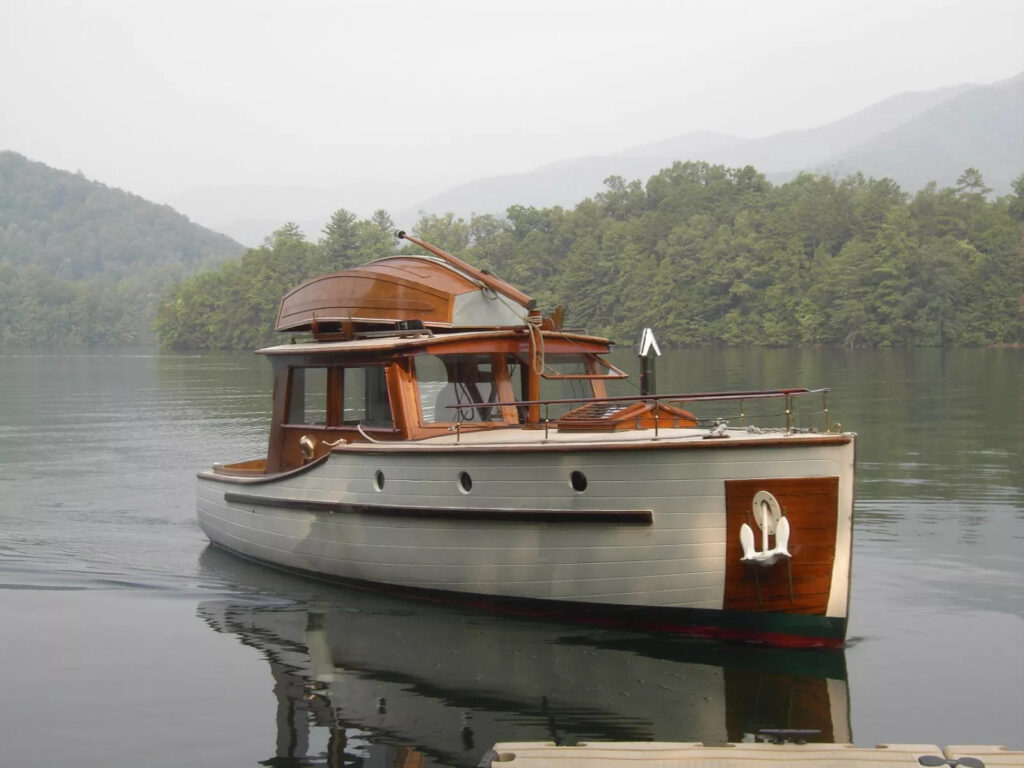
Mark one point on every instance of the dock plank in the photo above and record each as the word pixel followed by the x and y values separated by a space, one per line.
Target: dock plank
pixel 696 754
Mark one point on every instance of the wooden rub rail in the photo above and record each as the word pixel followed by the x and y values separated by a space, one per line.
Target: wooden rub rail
pixel 630 516
pixel 696 755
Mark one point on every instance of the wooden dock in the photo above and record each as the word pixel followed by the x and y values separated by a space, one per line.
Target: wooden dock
pixel 536 754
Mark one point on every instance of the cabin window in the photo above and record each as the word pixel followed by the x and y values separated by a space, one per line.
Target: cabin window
pixel 466 381
pixel 362 393
pixel 364 397
pixel 554 387
pixel 308 404
pixel 518 375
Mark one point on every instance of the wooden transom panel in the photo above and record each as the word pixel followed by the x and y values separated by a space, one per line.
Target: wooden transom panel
pixel 812 506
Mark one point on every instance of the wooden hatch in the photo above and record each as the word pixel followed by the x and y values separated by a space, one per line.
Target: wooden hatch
pixel 616 416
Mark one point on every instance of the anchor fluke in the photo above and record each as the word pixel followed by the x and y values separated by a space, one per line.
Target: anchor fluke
pixel 782 537
pixel 747 542
pixel 769 518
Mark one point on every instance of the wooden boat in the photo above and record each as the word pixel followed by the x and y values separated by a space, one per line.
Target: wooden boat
pixel 437 436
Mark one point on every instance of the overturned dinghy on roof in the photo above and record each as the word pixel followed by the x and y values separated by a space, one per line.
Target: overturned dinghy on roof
pixel 435 291
pixel 438 437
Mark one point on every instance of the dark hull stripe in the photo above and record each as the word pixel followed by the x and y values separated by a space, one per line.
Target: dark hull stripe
pixel 631 516
pixel 781 630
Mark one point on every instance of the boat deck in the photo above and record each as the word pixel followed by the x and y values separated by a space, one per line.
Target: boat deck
pixel 691 755
pixel 514 437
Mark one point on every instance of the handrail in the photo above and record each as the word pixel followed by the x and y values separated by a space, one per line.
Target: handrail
pixel 758 394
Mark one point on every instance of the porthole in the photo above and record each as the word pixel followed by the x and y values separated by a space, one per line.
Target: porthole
pixel 378 480
pixel 465 482
pixel 579 481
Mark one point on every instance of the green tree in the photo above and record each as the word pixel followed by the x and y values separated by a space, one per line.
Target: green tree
pixel 1016 204
pixel 448 232
pixel 341 241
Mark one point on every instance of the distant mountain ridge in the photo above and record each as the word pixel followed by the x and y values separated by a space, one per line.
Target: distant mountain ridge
pixel 797 148
pixel 982 123
pixel 913 137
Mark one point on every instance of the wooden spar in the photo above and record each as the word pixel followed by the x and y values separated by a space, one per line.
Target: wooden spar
pixel 492 282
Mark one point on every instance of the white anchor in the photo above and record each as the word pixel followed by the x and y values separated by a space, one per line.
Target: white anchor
pixel 769 518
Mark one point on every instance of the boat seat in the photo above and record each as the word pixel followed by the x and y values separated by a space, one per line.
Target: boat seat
pixel 461 394
pixel 446 397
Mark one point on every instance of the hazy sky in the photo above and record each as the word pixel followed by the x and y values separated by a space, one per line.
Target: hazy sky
pixel 157 96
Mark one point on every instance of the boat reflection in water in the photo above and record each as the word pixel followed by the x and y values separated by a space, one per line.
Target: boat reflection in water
pixel 371 680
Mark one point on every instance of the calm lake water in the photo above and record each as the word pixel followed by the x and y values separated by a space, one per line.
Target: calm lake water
pixel 124 638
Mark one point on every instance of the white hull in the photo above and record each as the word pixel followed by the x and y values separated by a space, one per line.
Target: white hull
pixel 676 560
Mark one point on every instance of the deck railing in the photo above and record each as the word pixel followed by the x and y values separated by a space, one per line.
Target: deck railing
pixel 788 395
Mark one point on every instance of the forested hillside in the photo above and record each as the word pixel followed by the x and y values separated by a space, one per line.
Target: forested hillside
pixel 235 306
pixel 703 254
pixel 81 263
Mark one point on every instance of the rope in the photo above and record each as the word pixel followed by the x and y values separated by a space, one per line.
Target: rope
pixel 363 433
pixel 536 343
pixel 751 429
